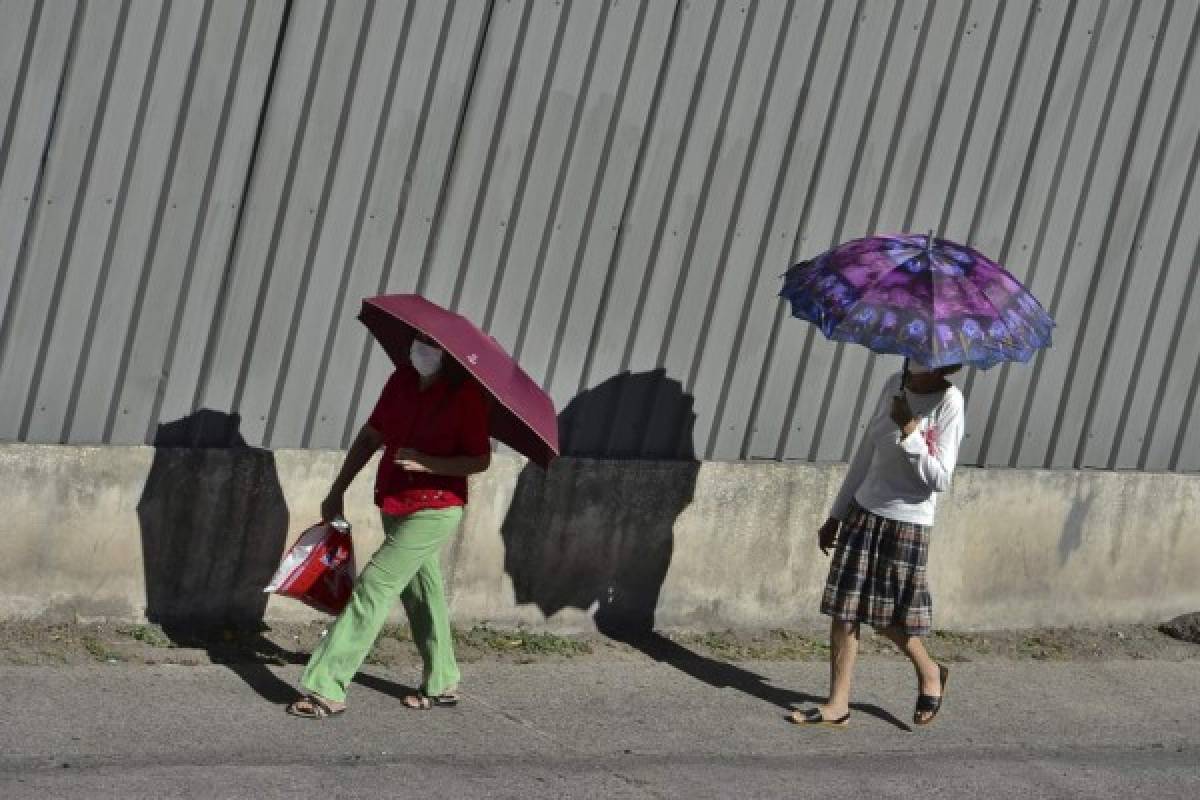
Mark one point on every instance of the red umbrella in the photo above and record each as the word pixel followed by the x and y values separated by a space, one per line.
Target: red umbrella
pixel 522 415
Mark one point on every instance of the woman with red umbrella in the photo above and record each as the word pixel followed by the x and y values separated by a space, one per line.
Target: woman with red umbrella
pixel 432 422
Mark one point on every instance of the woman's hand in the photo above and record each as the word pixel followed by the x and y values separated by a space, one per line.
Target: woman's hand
pixel 827 535
pixel 902 415
pixel 412 460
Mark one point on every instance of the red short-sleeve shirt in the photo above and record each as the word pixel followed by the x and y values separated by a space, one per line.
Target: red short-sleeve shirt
pixel 442 420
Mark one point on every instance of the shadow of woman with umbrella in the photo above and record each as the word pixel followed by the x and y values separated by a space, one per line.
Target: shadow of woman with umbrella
pixel 596 532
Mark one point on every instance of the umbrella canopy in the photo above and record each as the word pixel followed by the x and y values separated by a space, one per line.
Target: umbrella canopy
pixel 928 299
pixel 522 414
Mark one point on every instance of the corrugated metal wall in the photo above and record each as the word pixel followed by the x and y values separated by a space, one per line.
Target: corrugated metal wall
pixel 195 195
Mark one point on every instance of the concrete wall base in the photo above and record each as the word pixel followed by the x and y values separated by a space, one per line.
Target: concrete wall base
pixel 135 533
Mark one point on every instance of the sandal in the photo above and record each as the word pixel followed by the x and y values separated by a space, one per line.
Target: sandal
pixel 813 716
pixel 423 702
pixel 930 704
pixel 317 708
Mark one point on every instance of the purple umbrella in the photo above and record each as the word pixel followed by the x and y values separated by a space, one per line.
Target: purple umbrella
pixel 928 299
pixel 522 414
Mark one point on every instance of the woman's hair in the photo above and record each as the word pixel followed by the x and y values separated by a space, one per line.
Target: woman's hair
pixel 948 370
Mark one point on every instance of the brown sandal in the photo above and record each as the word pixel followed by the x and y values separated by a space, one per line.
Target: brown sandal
pixel 813 716
pixel 423 702
pixel 317 708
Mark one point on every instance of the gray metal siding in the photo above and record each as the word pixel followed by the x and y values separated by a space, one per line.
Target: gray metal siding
pixel 195 195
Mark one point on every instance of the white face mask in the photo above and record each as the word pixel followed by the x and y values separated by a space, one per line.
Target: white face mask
pixel 426 359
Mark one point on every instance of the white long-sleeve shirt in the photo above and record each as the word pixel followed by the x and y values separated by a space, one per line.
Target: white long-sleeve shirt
pixel 899 477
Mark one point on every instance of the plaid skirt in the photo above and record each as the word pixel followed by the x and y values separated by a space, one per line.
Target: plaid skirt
pixel 878 574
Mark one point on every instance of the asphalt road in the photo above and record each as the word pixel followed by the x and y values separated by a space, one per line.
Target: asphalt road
pixel 623 729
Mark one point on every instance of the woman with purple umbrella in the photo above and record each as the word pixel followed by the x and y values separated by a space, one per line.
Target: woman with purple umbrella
pixel 879 528
pixel 940 305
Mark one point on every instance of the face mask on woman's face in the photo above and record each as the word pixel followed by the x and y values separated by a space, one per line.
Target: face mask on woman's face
pixel 426 359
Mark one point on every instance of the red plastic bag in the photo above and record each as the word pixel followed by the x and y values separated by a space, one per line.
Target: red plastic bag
pixel 318 569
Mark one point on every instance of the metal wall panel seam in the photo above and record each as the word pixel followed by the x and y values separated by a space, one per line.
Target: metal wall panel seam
pixel 32 221
pixel 759 265
pixel 121 386
pixel 590 214
pixel 101 388
pixel 401 216
pixel 206 194
pixel 351 204
pixel 95 114
pixel 1031 450
pixel 1188 418
pixel 448 176
pixel 221 308
pixel 605 299
pixel 789 207
pixel 70 431
pixel 992 386
pixel 1186 298
pixel 373 362
pixel 1034 273
pixel 752 255
pixel 314 242
pixel 302 222
pixel 1064 423
pixel 1132 258
pixel 792 206
pixel 531 275
pixel 555 207
pixel 9 118
pixel 705 449
pixel 336 318
pixel 1031 375
pixel 1004 122
pixel 815 445
pixel 475 217
pixel 780 433
pixel 872 363
pixel 281 207
pixel 784 434
pixel 673 444
pixel 516 209
pixel 636 437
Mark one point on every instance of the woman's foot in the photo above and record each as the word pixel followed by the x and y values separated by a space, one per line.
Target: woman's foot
pixel 821 715
pixel 313 706
pixel 420 701
pixel 929 696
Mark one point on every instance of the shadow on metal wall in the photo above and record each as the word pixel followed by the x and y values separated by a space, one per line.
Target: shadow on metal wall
pixel 628 462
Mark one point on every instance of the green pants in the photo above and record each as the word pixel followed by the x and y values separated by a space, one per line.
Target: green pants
pixel 405 565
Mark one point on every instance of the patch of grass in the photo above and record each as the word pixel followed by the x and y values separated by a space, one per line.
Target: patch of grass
pixel 953 637
pixel 775 645
pixel 98 649
pixel 151 635
pixel 401 633
pixel 521 641
pixel 1042 648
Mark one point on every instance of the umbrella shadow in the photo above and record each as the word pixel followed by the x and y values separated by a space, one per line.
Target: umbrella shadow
pixel 214 523
pixel 588 535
